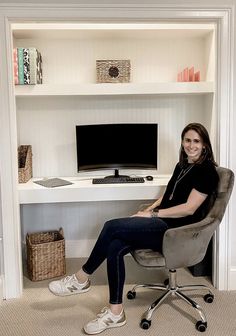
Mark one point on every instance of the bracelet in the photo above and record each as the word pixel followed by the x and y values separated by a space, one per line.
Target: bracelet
pixel 154 213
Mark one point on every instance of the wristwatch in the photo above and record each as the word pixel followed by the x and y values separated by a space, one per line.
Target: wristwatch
pixel 154 213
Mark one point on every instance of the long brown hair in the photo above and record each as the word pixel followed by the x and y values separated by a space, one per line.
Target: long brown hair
pixel 207 152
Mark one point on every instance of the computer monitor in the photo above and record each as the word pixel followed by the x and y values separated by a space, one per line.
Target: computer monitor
pixel 117 146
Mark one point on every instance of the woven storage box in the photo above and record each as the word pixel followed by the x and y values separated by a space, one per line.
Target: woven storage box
pixel 113 71
pixel 24 163
pixel 45 255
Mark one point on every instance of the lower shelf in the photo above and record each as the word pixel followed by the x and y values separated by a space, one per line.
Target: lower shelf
pixel 114 89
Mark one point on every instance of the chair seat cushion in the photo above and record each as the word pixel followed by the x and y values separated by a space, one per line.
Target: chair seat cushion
pixel 148 258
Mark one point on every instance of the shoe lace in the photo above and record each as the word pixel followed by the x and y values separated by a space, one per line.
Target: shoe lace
pixel 67 279
pixel 102 313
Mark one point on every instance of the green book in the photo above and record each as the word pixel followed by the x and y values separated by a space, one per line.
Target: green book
pixel 20 65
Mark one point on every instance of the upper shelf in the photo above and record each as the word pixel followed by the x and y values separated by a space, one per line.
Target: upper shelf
pixel 114 89
pixel 110 30
pixel 90 41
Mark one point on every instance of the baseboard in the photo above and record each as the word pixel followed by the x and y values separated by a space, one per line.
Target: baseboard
pixel 1 288
pixel 232 279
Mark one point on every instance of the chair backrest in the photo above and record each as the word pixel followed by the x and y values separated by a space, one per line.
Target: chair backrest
pixel 186 246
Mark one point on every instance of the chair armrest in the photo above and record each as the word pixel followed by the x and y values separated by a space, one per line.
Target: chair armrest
pixel 186 245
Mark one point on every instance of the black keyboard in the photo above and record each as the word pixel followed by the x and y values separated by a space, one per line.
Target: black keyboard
pixel 112 180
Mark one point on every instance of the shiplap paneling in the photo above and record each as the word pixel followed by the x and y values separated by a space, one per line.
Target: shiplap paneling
pixel 48 124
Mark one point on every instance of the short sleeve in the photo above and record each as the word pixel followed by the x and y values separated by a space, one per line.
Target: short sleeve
pixel 206 179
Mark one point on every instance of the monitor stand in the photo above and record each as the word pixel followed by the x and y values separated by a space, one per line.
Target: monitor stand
pixel 116 175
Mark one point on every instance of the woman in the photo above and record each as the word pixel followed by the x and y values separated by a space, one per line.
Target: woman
pixel 186 200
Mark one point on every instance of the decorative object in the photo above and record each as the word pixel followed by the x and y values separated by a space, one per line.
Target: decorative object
pixel 45 255
pixel 113 71
pixel 27 64
pixel 24 163
pixel 197 76
pixel 188 75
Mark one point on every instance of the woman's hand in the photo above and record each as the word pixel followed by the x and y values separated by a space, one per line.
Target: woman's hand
pixel 142 214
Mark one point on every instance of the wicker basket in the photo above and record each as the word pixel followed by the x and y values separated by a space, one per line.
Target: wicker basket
pixel 24 163
pixel 113 71
pixel 45 255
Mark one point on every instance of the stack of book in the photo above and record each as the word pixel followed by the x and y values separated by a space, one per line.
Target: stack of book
pixel 27 65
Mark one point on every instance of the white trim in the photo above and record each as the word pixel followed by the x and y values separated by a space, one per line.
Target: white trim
pixel 122 13
pixel 232 279
pixel 8 164
pixel 1 288
pixel 231 159
pixel 109 26
pixel 1 271
pixel 224 103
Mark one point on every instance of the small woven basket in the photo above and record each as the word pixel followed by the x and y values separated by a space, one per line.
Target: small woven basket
pixel 45 255
pixel 113 71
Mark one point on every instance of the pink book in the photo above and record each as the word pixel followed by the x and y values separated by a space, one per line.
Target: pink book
pixel 179 77
pixel 15 66
pixel 197 76
pixel 185 75
pixel 191 74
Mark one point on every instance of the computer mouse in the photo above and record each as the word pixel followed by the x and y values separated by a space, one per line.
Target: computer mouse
pixel 149 178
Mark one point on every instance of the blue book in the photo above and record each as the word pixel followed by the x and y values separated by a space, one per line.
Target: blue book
pixel 20 65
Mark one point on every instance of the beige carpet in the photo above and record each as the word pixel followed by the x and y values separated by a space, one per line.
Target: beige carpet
pixel 40 313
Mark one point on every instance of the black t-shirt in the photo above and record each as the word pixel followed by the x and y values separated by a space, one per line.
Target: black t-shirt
pixel 202 177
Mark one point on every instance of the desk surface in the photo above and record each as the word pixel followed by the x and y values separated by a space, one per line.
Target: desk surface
pixel 82 190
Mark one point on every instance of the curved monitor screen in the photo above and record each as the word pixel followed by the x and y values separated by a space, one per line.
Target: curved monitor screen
pixel 117 146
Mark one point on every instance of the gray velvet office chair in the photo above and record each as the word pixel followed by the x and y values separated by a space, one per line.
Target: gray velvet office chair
pixel 183 247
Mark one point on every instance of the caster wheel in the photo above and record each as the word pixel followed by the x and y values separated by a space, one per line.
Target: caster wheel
pixel 201 326
pixel 209 298
pixel 166 282
pixel 131 295
pixel 145 324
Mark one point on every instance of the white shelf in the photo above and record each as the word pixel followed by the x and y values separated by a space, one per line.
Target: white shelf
pixel 114 89
pixel 85 191
pixel 109 30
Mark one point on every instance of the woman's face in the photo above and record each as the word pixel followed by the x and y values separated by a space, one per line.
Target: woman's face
pixel 193 145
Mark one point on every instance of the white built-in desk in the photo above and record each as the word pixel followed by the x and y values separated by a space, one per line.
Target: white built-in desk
pixel 82 190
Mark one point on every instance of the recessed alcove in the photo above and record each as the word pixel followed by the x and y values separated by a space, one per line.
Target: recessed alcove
pixel 153 94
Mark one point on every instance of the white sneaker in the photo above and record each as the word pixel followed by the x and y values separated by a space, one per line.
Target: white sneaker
pixel 105 319
pixel 68 286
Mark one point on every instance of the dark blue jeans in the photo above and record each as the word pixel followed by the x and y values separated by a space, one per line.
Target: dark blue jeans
pixel 117 238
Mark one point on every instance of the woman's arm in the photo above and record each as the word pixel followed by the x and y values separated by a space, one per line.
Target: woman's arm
pixel 194 201
pixel 154 205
